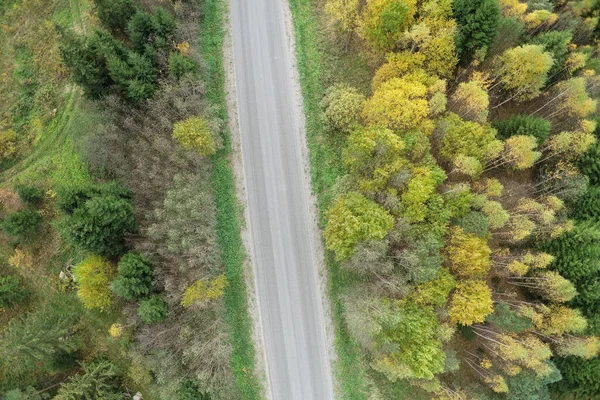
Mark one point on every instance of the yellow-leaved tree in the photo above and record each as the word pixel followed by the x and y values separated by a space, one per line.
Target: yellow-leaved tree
pixel 93 277
pixel 471 302
pixel 383 21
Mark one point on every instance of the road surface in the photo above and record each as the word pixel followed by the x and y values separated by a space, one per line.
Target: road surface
pixel 281 225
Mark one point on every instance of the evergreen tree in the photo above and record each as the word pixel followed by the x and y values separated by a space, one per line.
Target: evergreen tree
pixel 114 14
pixel 134 278
pixel 477 25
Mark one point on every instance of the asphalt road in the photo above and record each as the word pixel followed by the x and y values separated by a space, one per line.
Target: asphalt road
pixel 283 247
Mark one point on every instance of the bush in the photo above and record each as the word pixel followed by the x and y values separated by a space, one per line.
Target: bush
pixel 152 309
pixel 134 279
pixel 195 134
pixel 22 225
pixel 522 125
pixel 93 278
pixel 97 219
pixel 179 65
pixel 31 195
pixel 11 291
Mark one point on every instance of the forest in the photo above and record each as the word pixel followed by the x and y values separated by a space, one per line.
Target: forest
pixel 455 158
pixel 454 151
pixel 120 258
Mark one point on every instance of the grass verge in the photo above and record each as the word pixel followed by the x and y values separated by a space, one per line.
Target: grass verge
pixel 228 218
pixel 325 161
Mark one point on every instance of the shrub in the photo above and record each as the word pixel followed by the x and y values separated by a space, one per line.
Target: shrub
pixel 152 309
pixel 22 225
pixel 97 218
pixel 11 291
pixel 93 277
pixel 195 134
pixel 342 106
pixel 523 125
pixel 179 65
pixel 31 195
pixel 134 278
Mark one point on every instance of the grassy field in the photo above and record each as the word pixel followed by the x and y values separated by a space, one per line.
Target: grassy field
pixel 228 210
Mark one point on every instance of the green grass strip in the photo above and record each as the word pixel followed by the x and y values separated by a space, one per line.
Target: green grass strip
pixel 325 156
pixel 228 212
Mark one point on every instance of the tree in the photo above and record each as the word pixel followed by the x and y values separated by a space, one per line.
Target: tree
pixel 477 22
pixel 556 43
pixel 151 29
pixel 342 106
pixel 135 74
pixel 134 277
pixel 581 378
pixel 522 124
pixel 22 225
pixel 471 101
pixel 507 320
pixel 86 60
pixel 420 257
pixel 467 138
pixel 195 134
pixel 97 219
pixel 153 309
pixel 373 157
pixel 476 223
pixel 370 257
pixel 419 190
pixel 520 152
pixel 468 254
pixel 180 65
pixel 397 65
pixel 12 291
pixel 558 320
pixel 471 302
pixel 496 215
pixel 569 145
pixel 31 195
pixel 383 22
pixel 548 284
pixel 575 101
pixel 343 14
pixel 399 104
pixel 31 342
pixel 512 8
pixel 100 381
pixel 93 277
pixel 353 218
pixel 436 291
pixel 524 70
pixel 189 390
pixel 114 14
pixel 583 347
pixel 406 343
pixel 536 18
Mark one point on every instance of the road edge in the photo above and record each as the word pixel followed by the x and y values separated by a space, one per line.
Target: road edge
pixel 239 174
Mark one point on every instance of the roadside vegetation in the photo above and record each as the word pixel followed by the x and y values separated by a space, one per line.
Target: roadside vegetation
pixel 122 269
pixel 454 156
